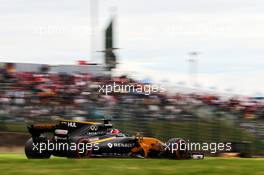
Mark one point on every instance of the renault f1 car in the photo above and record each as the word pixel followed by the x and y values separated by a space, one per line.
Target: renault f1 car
pixel 76 139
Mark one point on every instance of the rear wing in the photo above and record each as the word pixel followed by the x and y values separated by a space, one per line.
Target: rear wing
pixel 37 129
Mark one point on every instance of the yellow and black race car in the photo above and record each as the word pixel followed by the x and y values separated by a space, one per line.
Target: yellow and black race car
pixel 75 139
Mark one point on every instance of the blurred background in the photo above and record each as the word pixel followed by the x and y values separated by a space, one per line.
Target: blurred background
pixel 207 55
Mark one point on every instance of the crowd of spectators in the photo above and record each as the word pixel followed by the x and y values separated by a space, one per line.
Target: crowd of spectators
pixel 29 96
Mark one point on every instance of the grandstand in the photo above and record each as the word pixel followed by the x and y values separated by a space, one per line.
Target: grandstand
pixel 45 95
pixel 93 69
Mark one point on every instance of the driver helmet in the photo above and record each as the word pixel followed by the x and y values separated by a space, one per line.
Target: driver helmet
pixel 115 131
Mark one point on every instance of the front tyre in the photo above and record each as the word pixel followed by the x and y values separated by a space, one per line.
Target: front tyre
pixel 32 152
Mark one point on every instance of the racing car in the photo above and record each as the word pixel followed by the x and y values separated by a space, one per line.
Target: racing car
pixel 77 139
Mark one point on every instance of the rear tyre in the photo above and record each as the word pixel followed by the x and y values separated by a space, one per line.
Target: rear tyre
pixel 176 149
pixel 33 153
